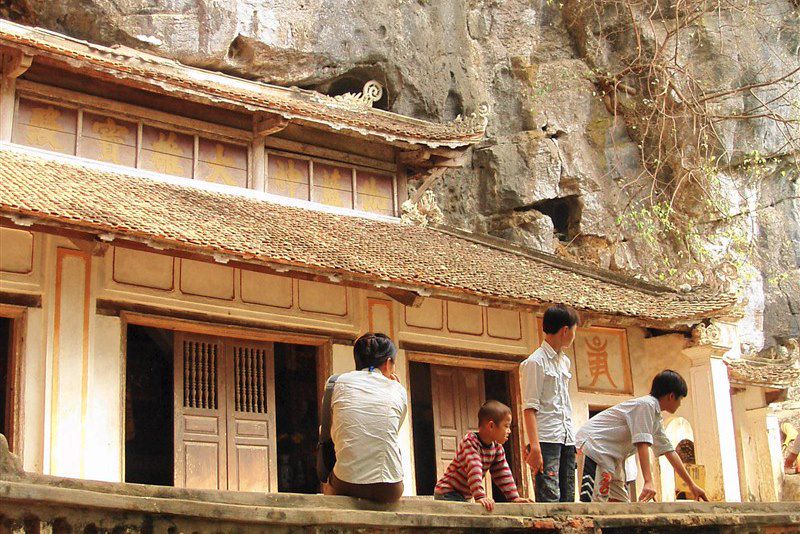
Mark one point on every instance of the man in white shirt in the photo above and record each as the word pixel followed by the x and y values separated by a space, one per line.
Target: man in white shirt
pixel 368 407
pixel 633 426
pixel 544 380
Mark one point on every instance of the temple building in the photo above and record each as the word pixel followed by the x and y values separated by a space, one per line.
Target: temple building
pixel 186 256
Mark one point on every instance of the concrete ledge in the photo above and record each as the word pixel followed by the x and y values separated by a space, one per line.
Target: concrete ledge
pixel 49 498
pixel 31 502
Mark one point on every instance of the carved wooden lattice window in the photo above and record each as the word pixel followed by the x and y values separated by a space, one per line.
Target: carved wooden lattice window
pixel 200 370
pixel 250 379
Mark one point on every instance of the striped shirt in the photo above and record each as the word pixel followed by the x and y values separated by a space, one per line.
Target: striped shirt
pixel 465 473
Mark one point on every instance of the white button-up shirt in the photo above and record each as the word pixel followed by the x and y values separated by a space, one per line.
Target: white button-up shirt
pixel 544 379
pixel 368 410
pixel 611 436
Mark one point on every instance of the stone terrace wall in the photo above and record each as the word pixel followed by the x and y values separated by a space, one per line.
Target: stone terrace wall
pixel 37 504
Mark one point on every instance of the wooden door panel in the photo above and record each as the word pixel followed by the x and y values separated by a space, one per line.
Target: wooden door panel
pixel 457 396
pixel 199 428
pixel 202 465
pixel 446 415
pixel 472 395
pixel 252 459
pixel 254 470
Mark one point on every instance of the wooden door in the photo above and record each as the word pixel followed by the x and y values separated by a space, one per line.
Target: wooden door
pixel 446 415
pixel 200 413
pixel 224 414
pixel 252 459
pixel 457 394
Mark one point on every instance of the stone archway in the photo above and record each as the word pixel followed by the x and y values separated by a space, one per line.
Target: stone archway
pixel 681 434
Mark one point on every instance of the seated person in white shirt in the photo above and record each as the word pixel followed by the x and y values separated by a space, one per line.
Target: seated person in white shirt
pixel 633 426
pixel 368 407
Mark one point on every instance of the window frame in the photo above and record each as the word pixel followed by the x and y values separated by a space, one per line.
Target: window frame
pixel 354 168
pixel 198 129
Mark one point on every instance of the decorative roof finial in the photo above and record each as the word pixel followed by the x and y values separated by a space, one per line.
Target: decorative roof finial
pixel 475 122
pixel 372 92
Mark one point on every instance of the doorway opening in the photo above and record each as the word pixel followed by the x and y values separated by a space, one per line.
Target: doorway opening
pixel 498 388
pixel 422 427
pixel 149 446
pixel 425 398
pixel 6 385
pixel 297 417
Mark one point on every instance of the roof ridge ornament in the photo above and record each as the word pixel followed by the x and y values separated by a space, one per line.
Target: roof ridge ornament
pixel 371 93
pixel 475 122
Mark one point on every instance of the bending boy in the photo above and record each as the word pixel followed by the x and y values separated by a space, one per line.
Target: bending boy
pixel 633 426
pixel 477 453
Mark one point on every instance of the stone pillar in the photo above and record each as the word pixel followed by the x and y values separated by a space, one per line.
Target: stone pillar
pixel 709 393
pixel 765 432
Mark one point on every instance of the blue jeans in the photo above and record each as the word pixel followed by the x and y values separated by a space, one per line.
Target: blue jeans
pixel 453 496
pixel 556 482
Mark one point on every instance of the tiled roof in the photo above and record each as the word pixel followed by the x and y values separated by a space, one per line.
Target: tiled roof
pixel 154 73
pixel 763 373
pixel 260 228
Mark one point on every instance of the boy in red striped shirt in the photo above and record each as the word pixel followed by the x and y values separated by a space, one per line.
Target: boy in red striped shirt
pixel 477 453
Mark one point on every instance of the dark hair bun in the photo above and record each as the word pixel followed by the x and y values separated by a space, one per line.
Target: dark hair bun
pixel 372 350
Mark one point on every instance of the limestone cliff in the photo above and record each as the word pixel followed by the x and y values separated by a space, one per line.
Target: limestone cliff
pixel 571 163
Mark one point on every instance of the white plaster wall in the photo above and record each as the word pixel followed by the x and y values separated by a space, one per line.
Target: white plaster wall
pixel 33 393
pixel 406 441
pixel 103 452
pixel 724 429
pixel 758 441
pixel 68 432
pixel 342 359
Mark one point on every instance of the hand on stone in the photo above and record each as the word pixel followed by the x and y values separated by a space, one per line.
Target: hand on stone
pixel 487 503
pixel 699 493
pixel 522 500
pixel 648 492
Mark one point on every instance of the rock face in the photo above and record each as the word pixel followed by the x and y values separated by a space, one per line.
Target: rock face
pixel 563 161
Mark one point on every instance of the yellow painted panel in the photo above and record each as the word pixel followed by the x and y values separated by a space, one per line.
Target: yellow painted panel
pixel 322 298
pixel 16 251
pixel 266 289
pixel 504 324
pixel 464 318
pixel 380 317
pixel 206 279
pixel 428 315
pixel 144 269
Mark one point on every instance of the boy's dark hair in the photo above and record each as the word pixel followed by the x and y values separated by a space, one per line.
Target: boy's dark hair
pixel 493 410
pixel 668 381
pixel 557 317
pixel 372 350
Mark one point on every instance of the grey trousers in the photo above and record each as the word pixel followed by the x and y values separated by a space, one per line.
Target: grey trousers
pixel 556 482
